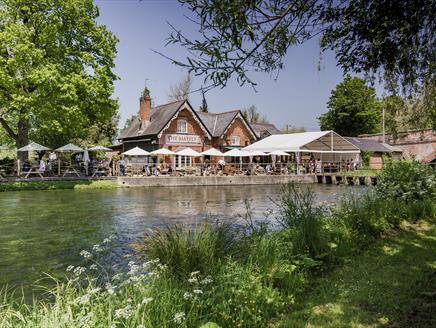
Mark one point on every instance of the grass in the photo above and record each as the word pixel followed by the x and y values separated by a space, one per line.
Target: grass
pixel 387 285
pixel 55 185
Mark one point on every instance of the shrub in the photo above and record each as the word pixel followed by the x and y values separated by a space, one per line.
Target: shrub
pixel 302 219
pixel 407 180
pixel 187 250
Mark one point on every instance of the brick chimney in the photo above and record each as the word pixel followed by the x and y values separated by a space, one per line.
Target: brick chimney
pixel 145 110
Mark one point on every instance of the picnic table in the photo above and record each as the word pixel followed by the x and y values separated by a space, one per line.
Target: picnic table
pixel 70 170
pixel 33 170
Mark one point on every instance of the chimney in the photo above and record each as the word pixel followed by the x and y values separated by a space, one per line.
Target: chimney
pixel 144 110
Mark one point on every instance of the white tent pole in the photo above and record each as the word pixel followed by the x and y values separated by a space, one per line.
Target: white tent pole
pixel 298 157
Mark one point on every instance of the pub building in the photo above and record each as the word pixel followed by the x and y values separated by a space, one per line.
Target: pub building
pixel 177 125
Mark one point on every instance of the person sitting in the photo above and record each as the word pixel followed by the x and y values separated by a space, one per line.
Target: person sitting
pixel 26 166
pixel 268 169
pixel 41 166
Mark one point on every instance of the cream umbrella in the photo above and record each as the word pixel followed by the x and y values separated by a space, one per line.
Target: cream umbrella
pixel 212 152
pixel 69 148
pixel 188 152
pixel 99 148
pixel 136 152
pixel 33 146
pixel 162 151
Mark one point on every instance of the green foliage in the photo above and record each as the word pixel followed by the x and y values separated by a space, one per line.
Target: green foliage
pixel 299 215
pixel 353 109
pixel 55 185
pixel 185 251
pixel 408 181
pixel 56 78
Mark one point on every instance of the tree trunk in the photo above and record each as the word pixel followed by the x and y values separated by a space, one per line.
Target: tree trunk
pixel 22 139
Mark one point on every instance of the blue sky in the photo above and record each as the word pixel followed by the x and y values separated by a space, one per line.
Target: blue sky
pixel 297 97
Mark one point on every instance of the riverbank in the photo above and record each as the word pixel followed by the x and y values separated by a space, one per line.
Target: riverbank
pixel 77 184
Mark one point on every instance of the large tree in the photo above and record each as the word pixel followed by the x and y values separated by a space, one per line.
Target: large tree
pixel 391 38
pixel 56 77
pixel 353 109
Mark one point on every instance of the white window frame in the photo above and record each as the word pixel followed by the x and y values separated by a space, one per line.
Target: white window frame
pixel 236 140
pixel 183 161
pixel 180 124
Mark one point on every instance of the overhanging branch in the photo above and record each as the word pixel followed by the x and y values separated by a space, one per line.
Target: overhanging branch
pixel 6 126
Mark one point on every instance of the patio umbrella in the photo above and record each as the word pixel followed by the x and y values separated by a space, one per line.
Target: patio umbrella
pixel 278 153
pixel 257 153
pixel 212 152
pixel 236 153
pixel 33 146
pixel 188 152
pixel 163 151
pixel 136 152
pixel 99 148
pixel 69 148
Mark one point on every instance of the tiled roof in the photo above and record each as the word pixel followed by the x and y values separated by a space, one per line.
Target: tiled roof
pixel 160 116
pixel 368 145
pixel 265 129
pixel 217 123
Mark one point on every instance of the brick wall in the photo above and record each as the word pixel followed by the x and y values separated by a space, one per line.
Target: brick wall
pixel 418 144
pixel 238 128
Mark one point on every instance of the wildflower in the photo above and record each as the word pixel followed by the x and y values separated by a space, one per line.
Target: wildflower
pixel 84 299
pixel 206 280
pixel 147 300
pixel 95 290
pixel 198 291
pixel 193 280
pixel 118 276
pixel 123 312
pixel 84 320
pixel 97 248
pixel 79 270
pixel 179 317
pixel 106 241
pixel 187 295
pixel 194 273
pixel 86 254
pixel 93 267
pixel 109 288
pixel 70 268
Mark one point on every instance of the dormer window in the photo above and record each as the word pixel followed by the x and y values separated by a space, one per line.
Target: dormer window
pixel 236 141
pixel 182 126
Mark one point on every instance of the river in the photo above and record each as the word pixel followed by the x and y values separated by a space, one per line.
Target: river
pixel 44 231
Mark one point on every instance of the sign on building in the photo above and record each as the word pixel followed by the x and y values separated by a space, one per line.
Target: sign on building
pixel 177 139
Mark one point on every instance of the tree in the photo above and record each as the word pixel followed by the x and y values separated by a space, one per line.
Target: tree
pixel 395 39
pixel 181 90
pixel 353 109
pixel 204 108
pixel 293 129
pixel 252 115
pixel 56 77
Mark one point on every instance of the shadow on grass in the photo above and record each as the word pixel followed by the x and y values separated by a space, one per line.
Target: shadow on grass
pixel 376 288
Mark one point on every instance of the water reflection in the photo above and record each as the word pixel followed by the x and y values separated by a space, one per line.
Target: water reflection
pixel 44 231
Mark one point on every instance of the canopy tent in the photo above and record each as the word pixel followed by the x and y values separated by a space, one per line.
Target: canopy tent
pixel 99 148
pixel 312 142
pixel 69 148
pixel 278 153
pixel 136 152
pixel 163 151
pixel 212 152
pixel 33 146
pixel 188 152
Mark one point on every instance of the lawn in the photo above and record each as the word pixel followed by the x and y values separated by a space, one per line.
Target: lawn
pixel 392 283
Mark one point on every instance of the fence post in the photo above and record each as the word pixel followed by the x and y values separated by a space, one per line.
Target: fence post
pixel 18 167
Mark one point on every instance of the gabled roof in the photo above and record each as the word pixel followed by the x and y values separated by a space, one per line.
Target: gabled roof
pixel 316 142
pixel 218 123
pixel 161 116
pixel 265 129
pixel 368 145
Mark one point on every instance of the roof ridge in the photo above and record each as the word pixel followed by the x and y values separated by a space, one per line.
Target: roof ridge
pixel 172 102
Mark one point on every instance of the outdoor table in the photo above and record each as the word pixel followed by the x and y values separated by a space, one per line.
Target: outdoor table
pixel 34 170
pixel 71 170
pixel 99 170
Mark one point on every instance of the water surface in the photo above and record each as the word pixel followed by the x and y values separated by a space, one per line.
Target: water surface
pixel 44 231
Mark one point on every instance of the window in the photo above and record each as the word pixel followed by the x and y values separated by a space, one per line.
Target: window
pixel 182 126
pixel 236 141
pixel 183 161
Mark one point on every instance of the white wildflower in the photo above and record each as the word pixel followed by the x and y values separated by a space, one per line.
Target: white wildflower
pixel 198 291
pixel 79 270
pixel 206 280
pixel 106 241
pixel 95 290
pixel 123 312
pixel 84 320
pixel 84 299
pixel 86 254
pixel 70 268
pixel 187 295
pixel 93 267
pixel 118 276
pixel 193 280
pixel 179 317
pixel 97 248
pixel 147 300
pixel 194 273
pixel 109 288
